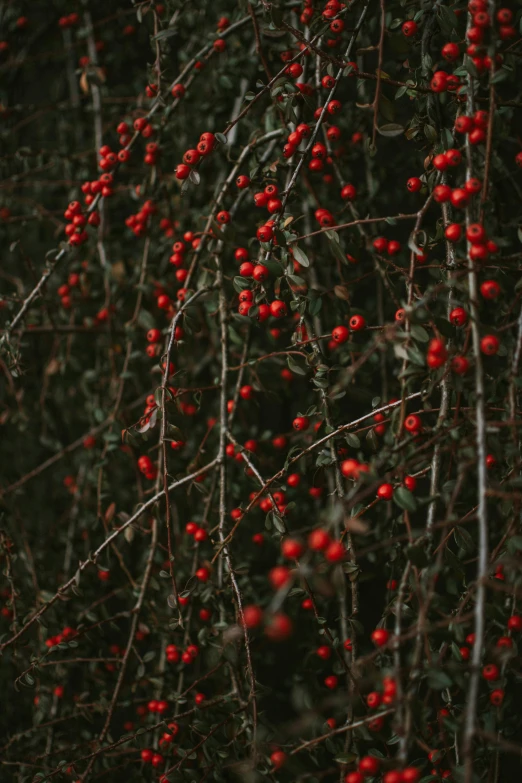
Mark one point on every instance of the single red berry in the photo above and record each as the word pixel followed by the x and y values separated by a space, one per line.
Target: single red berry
pixel 458 316
pixel 380 245
pixel 463 124
pixel 385 492
pixel 357 323
pixel 491 672
pixel 354 777
pixel 369 765
pixel 409 28
pixel 414 184
pixel 278 759
pixel 450 51
pixel 496 697
pixel 265 233
pixel 260 273
pixel 279 627
pixel 489 345
pixel 490 289
pixel 335 552
pixel 460 365
pixel 292 548
pixel 252 616
pixel 340 334
pixel 278 308
pixel 459 198
pixel 453 232
pixel 348 193
pixel 410 482
pixel 515 622
pixel 246 392
pixel 301 423
pixel 331 682
pixel 182 171
pixel 411 775
pixel 178 91
pixel 442 193
pixel 380 636
pixel 374 700
pixel 318 540
pixel 393 776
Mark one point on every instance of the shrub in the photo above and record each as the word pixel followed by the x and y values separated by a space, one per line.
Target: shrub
pixel 261 338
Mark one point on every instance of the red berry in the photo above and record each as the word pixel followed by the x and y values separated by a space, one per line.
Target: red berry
pixel 489 345
pixel 246 392
pixel 380 245
pixel 414 184
pixel 374 700
pixel 490 289
pixel 278 759
pixel 253 616
pixel 409 28
pixel 331 682
pixel 411 775
pixel 318 539
pixel 441 193
pixel 410 482
pixel 292 548
pixel 380 636
pixel 496 697
pixel 369 765
pixel 348 193
pixel 182 171
pixel 354 777
pixel 450 51
pixel 458 316
pixel 279 627
pixel 385 492
pixel 301 423
pixel 460 365
pixel 453 232
pixel 340 334
pixel 278 308
pixel 357 323
pixel 335 552
pixel 491 672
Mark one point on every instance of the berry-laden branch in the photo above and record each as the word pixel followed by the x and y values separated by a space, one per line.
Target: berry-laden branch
pixel 260 410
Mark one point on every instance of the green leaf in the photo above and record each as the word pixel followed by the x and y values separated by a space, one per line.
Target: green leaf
pixel 438 680
pixel 163 34
pixel 419 333
pixel 336 247
pixel 300 256
pixel 430 132
pixel 447 19
pixel 240 284
pixel 391 129
pixel 404 499
pixel 345 758
pixel 296 368
pixel 352 440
